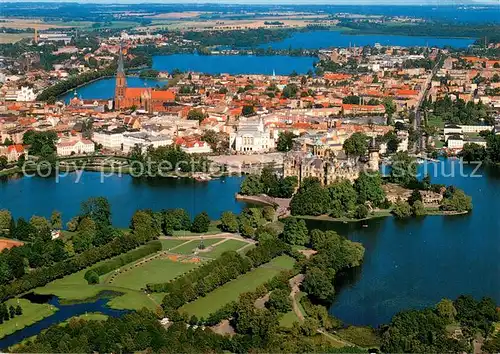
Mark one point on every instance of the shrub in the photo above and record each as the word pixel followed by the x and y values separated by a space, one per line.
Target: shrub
pixel 92 277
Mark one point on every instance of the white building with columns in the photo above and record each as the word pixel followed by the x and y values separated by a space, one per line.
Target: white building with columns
pixel 252 136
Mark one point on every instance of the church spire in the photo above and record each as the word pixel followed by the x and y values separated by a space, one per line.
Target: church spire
pixel 120 60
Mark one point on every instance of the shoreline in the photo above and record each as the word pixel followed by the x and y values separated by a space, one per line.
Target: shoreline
pixel 379 214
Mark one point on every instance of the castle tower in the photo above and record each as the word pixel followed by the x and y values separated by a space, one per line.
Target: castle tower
pixel 374 156
pixel 121 81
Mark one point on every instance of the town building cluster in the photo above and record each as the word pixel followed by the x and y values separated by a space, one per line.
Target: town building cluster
pixel 248 112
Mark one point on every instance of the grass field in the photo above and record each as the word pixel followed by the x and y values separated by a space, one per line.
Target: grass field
pixel 13 37
pixel 204 306
pixel 74 287
pixel 168 244
pixel 193 244
pixel 91 316
pixel 229 245
pixel 361 336
pixel 159 270
pixel 288 319
pixel 31 313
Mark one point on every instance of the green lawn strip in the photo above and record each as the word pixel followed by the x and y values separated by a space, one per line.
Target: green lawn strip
pixel 132 300
pixel 361 336
pixel 159 270
pixel 91 316
pixel 170 243
pixel 229 245
pixel 376 214
pixel 193 244
pixel 288 319
pixel 32 313
pixel 213 301
pixel 212 230
pixel 334 340
pixel 75 288
pixel 298 297
pixel 245 249
pixel 157 297
pixel 283 262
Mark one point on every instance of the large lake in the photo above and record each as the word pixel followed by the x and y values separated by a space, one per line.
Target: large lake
pixel 327 39
pixel 408 264
pixel 211 64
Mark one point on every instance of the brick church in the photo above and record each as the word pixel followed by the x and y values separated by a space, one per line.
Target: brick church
pixel 146 98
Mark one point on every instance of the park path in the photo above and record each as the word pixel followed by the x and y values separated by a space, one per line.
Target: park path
pixel 295 286
pixel 226 235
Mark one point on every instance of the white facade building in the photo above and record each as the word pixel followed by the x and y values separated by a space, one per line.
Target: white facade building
pixel 25 94
pixel 144 140
pixel 196 147
pixel 76 147
pixel 109 140
pixel 251 136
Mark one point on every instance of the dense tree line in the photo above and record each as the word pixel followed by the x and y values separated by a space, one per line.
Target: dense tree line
pixel 208 277
pixel 246 38
pixel 425 331
pixel 269 183
pixel 339 199
pixel 202 280
pixel 428 28
pixel 491 154
pixel 124 259
pixel 41 144
pixel 52 92
pixel 155 162
pixel 95 240
pixel 334 254
pixel 459 112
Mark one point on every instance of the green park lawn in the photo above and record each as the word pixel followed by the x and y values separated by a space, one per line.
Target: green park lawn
pixel 91 316
pixel 228 245
pixel 167 244
pixel 74 287
pixel 159 270
pixel 221 296
pixel 193 244
pixel 288 319
pixel 31 313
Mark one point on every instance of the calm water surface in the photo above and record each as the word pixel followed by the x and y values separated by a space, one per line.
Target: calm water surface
pixel 64 312
pixel 39 196
pixel 234 64
pixel 408 264
pixel 105 88
pixel 416 262
pixel 327 39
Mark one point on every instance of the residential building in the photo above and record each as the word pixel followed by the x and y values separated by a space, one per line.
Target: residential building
pixel 75 147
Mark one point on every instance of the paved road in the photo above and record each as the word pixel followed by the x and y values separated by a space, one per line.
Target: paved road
pixel 417 123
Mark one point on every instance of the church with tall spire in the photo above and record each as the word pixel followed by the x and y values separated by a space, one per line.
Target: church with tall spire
pixel 121 81
pixel 141 98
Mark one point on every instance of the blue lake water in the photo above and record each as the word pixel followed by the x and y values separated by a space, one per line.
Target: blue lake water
pixel 65 312
pixel 39 196
pixel 234 64
pixel 326 39
pixel 105 88
pixel 408 264
pixel 415 263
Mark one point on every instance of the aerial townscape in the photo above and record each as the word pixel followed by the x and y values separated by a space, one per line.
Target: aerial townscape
pixel 249 177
